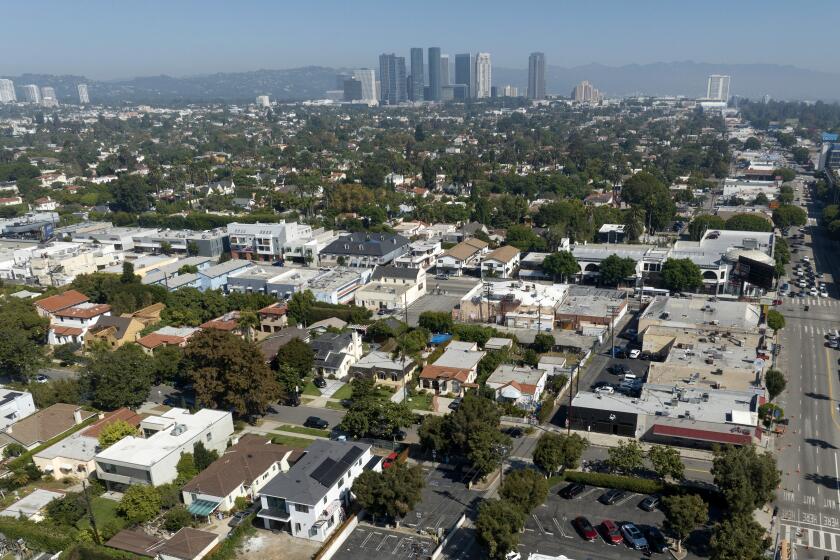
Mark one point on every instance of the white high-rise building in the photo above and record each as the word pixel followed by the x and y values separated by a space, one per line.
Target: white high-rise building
pixel 368 79
pixel 31 93
pixel 717 88
pixel 7 91
pixel 84 98
pixel 263 101
pixel 482 75
pixel 444 70
pixel 48 97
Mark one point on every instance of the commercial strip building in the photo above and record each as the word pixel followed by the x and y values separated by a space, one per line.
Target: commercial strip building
pixel 278 242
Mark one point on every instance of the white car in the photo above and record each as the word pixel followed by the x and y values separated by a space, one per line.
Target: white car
pixel 634 353
pixel 606 389
pixel 823 294
pixel 814 292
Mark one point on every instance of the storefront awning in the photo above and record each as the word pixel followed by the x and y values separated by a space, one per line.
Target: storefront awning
pixel 735 437
pixel 202 508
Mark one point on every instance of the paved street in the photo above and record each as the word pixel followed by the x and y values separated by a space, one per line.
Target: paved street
pixel 809 497
pixel 299 414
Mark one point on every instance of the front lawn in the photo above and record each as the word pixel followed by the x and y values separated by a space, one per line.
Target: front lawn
pixel 304 430
pixel 105 513
pixel 420 401
pixel 310 389
pixel 291 441
pixel 335 405
pixel 344 392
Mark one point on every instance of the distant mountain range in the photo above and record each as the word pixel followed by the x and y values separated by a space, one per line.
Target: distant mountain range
pixel 311 82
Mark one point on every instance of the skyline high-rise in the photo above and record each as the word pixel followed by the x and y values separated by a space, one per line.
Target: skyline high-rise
pixel 585 92
pixel 418 75
pixel 463 71
pixel 434 74
pixel 717 87
pixel 31 93
pixel 482 76
pixel 48 97
pixel 536 75
pixel 368 79
pixel 444 71
pixel 84 97
pixel 392 79
pixel 7 91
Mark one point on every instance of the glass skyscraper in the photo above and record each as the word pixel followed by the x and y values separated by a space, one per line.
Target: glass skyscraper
pixel 434 73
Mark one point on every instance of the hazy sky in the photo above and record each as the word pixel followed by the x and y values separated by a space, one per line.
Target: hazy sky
pixel 122 38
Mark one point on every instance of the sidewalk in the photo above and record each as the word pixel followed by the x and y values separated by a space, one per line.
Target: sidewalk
pixel 609 440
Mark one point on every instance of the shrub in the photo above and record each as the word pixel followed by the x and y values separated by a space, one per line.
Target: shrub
pixel 176 518
pixel 629 483
pixel 37 535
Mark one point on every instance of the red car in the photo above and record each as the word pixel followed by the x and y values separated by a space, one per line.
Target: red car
pixel 585 528
pixel 390 459
pixel 611 532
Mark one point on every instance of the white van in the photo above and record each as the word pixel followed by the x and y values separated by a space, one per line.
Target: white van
pixel 629 377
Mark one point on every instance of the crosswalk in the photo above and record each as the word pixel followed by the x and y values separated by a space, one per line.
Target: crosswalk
pixel 816 330
pixel 811 538
pixel 814 302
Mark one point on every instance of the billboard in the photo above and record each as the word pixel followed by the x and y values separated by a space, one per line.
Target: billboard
pixel 755 272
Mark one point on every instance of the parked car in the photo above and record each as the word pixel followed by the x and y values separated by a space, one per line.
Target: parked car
pixel 573 490
pixel 656 540
pixel 585 528
pixel 610 532
pixel 634 537
pixel 455 404
pixel 651 502
pixel 41 378
pixel 390 460
pixel 237 518
pixel 316 422
pixel 605 389
pixel 634 353
pixel 320 382
pixel 612 496
pixel 619 369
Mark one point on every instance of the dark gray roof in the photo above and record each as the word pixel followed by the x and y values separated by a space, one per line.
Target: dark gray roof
pixel 308 480
pixel 368 244
pixel 269 346
pixel 120 323
pixel 395 272
pixel 328 349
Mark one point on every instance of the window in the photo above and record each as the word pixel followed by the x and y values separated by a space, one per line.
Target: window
pixel 325 499
pixel 341 482
pixel 208 436
pixel 297 528
pixel 301 508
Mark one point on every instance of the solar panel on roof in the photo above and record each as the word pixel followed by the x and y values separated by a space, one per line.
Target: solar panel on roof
pixel 353 454
pixel 323 472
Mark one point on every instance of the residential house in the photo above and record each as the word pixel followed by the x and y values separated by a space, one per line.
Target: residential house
pixel 421 254
pixel 114 331
pixel 44 425
pixel 241 471
pixel 464 232
pixel 273 318
pixel 392 288
pixel 269 346
pixel 454 371
pixel 309 500
pixel 520 386
pixel 14 406
pixel 465 255
pixel 498 343
pixel 230 323
pixel 216 277
pixel 501 263
pixel 364 250
pixel 600 199
pixel 73 456
pixel 149 315
pixel 152 459
pixel 71 324
pixel 335 353
pixel 384 368
pixel 186 544
pixel 167 336
pixel 49 305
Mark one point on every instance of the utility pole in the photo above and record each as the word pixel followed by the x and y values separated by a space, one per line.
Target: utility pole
pixel 93 526
pixel 612 309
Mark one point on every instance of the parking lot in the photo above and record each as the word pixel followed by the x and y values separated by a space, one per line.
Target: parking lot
pixel 441 295
pixel 549 529
pixel 445 497
pixel 368 542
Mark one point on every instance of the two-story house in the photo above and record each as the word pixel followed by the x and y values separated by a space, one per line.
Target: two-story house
pixel 335 353
pixel 70 325
pixel 500 263
pixel 455 370
pixel 241 471
pixel 520 386
pixel 153 459
pixel 465 255
pixel 392 288
pixel 273 318
pixel 365 250
pixel 310 498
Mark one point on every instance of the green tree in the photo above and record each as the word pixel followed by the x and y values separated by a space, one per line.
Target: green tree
pixel 498 525
pixel 739 537
pixel 524 238
pixel 486 449
pixel 128 276
pixel 297 355
pixel 119 378
pixel 634 223
pixel 114 432
pixel 472 415
pixel 615 270
pixel 626 458
pixel 681 275
pixel 543 342
pixel 56 391
pixel 392 493
pixel 561 266
pixel 752 143
pixel 67 510
pixel 526 488
pixel 775 382
pixel 203 457
pixel 22 334
pixel 647 192
pixel 787 174
pixel 683 514
pixel 229 373
pixel 789 215
pixel 746 479
pixel 186 469
pixel 140 503
pixel 556 452
pixel 433 433
pixel 177 518
pixel 436 321
pixel 666 462
pixel 13 450
pixel 703 223
pixel 300 307
pixel 130 193
pixel 775 320
pixel 748 222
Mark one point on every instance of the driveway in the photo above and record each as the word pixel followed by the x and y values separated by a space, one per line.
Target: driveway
pixel 333 385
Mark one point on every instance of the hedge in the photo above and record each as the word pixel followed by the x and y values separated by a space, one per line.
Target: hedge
pixel 40 536
pixel 230 546
pixel 629 483
pixel 90 551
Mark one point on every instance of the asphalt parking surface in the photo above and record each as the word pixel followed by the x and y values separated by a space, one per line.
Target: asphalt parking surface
pixel 549 530
pixel 368 542
pixel 444 499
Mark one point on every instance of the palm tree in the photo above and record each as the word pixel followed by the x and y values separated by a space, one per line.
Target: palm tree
pixel 634 223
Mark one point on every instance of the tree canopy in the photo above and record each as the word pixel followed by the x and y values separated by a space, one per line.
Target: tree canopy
pixel 559 451
pixel 392 493
pixel 561 266
pixel 746 479
pixel 118 378
pixel 681 275
pixel 615 270
pixel 498 525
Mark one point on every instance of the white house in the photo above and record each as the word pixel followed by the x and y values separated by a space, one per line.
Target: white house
pixel 70 325
pixel 501 263
pixel 14 405
pixel 466 254
pixel 241 471
pixel 521 386
pixel 335 353
pixel 309 500
pixel 153 459
pixel 392 288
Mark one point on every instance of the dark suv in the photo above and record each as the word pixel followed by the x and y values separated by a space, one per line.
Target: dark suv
pixel 573 490
pixel 315 422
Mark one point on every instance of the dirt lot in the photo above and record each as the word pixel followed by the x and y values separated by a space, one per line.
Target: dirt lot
pixel 268 545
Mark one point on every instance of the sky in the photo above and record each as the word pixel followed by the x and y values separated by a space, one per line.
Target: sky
pixel 113 39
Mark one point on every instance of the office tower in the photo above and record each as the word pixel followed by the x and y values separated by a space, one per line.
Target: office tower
pixel 352 90
pixel 510 91
pixel 263 101
pixel 367 78
pixel 481 76
pixel 585 92
pixel 31 93
pixel 7 91
pixel 339 79
pixel 434 74
pixel 84 98
pixel 392 79
pixel 463 71
pixel 717 88
pixel 48 98
pixel 536 76
pixel 444 70
pixel 418 75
